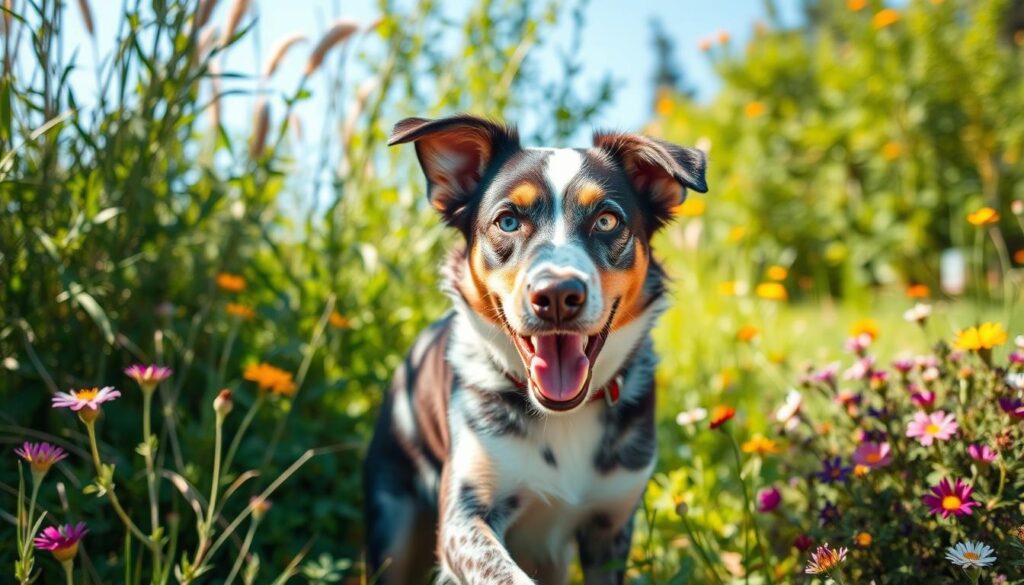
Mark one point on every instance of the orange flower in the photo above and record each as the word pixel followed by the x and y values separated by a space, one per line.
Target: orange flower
pixel 268 377
pixel 723 36
pixel 777 272
pixel 863 539
pixel 748 333
pixel 856 5
pixel 864 327
pixel 721 415
pixel 891 151
pixel 231 282
pixel 339 321
pixel 664 106
pixel 1018 256
pixel 755 109
pixel 1018 37
pixel 983 216
pixel 692 207
pixel 239 310
pixel 885 17
pixel 918 291
pixel 704 44
pixel 860 470
pixel 760 445
pixel 771 291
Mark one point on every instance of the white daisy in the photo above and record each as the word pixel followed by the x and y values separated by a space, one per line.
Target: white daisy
pixel 690 417
pixel 970 554
pixel 919 313
pixel 788 413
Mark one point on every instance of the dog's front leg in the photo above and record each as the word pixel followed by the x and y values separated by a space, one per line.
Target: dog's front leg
pixel 604 550
pixel 470 542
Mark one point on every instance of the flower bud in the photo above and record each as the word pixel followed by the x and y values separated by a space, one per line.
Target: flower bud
pixel 1017 207
pixel 223 403
pixel 260 507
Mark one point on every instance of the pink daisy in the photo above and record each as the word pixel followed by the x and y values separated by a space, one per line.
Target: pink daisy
pixel 873 455
pixel 147 376
pixel 982 453
pixel 926 428
pixel 950 500
pixel 41 456
pixel 92 398
pixel 62 541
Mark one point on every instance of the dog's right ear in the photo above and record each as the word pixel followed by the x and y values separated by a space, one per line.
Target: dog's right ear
pixel 455 154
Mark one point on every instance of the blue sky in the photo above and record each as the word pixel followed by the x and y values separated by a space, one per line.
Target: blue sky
pixel 616 40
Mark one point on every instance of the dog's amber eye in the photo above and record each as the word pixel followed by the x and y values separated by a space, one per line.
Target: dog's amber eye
pixel 606 222
pixel 507 222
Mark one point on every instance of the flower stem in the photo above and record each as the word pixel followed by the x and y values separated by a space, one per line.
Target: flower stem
pixel 151 484
pixel 700 550
pixel 217 444
pixel 91 428
pixel 69 569
pixel 748 520
pixel 36 482
pixel 244 550
pixel 237 440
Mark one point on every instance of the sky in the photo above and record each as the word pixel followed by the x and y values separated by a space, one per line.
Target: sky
pixel 616 40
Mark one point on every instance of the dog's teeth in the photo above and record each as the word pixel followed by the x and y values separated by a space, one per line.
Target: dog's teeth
pixel 535 340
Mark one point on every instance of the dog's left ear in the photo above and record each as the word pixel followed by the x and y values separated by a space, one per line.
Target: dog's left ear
pixel 660 172
pixel 455 154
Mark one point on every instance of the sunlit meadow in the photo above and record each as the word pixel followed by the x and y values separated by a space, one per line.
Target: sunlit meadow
pixel 197 322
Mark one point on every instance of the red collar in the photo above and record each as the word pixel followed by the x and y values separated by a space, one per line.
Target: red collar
pixel 610 393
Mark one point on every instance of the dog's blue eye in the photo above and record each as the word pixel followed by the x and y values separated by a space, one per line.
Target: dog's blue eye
pixel 606 222
pixel 508 223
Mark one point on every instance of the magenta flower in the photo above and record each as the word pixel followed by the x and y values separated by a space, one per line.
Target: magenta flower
pixel 92 398
pixel 1012 406
pixel 40 456
pixel 923 398
pixel 873 455
pixel 927 361
pixel 950 500
pixel 1016 357
pixel 148 376
pixel 768 499
pixel 825 560
pixel 62 541
pixel 826 375
pixel 903 365
pixel 982 453
pixel 859 344
pixel 926 428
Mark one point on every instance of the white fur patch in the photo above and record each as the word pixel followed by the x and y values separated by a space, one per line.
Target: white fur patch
pixel 563 165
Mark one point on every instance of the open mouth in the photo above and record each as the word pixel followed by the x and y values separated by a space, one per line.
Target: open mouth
pixel 559 365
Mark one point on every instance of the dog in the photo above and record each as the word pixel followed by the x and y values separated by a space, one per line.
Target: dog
pixel 523 421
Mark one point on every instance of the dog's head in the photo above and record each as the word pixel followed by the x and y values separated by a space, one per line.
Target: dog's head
pixel 557 240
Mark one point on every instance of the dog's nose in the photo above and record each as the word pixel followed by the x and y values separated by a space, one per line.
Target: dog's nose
pixel 558 300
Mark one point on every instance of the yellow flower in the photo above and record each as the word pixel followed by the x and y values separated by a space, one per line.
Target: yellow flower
pixel 239 310
pixel 863 539
pixel 727 288
pixel 856 5
pixel 268 377
pixel 664 106
pixel 777 272
pixel 339 321
pixel 771 291
pixel 736 234
pixel 692 207
pixel 983 337
pixel 761 445
pixel 983 216
pixel 885 17
pixel 860 470
pixel 892 151
pixel 231 282
pixel 748 333
pixel 864 327
pixel 918 291
pixel 754 109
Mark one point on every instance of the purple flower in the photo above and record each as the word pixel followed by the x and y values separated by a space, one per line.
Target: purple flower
pixel 1017 357
pixel 41 456
pixel 829 514
pixel 62 541
pixel 768 499
pixel 833 470
pixel 826 375
pixel 950 499
pixel 873 455
pixel 982 453
pixel 148 376
pixel 1012 406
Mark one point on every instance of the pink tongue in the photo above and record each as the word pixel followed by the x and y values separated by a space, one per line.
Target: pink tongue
pixel 559 367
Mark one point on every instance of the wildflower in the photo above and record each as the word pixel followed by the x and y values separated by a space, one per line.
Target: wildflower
pixel 1018 256
pixel 789 413
pixel 983 337
pixel 736 233
pixel 721 415
pixel 919 314
pixel 903 365
pixel 873 455
pixel 982 453
pixel 879 379
pixel 260 507
pixel 147 377
pixel 923 398
pixel 777 272
pixel 926 428
pixel 860 470
pixel 692 207
pixel 850 400
pixel 754 109
pixel 760 445
pixel 40 456
pixel 864 327
pixel 802 542
pixel 927 361
pixel 748 333
pixel 62 541
pixel 689 417
pixel 771 291
pixel 239 310
pixel 885 17
pixel 863 539
pixel 728 288
pixel 826 375
pixel 948 500
pixel 768 499
pixel 829 514
pixel 1012 406
pixel 969 554
pixel 856 5
pixel 918 291
pixel 824 560
pixel 85 401
pixel 833 470
pixel 930 374
pixel 860 369
pixel 1016 357
pixel 268 377
pixel 223 403
pixel 983 216
pixel 859 344
pixel 704 45
pixel 232 283
pixel 339 321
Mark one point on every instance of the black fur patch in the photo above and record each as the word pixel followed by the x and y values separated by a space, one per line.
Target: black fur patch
pixel 629 437
pixel 498 413
pixel 549 456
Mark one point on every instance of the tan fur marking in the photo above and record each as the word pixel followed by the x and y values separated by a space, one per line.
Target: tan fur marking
pixel 590 193
pixel 524 194
pixel 628 285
